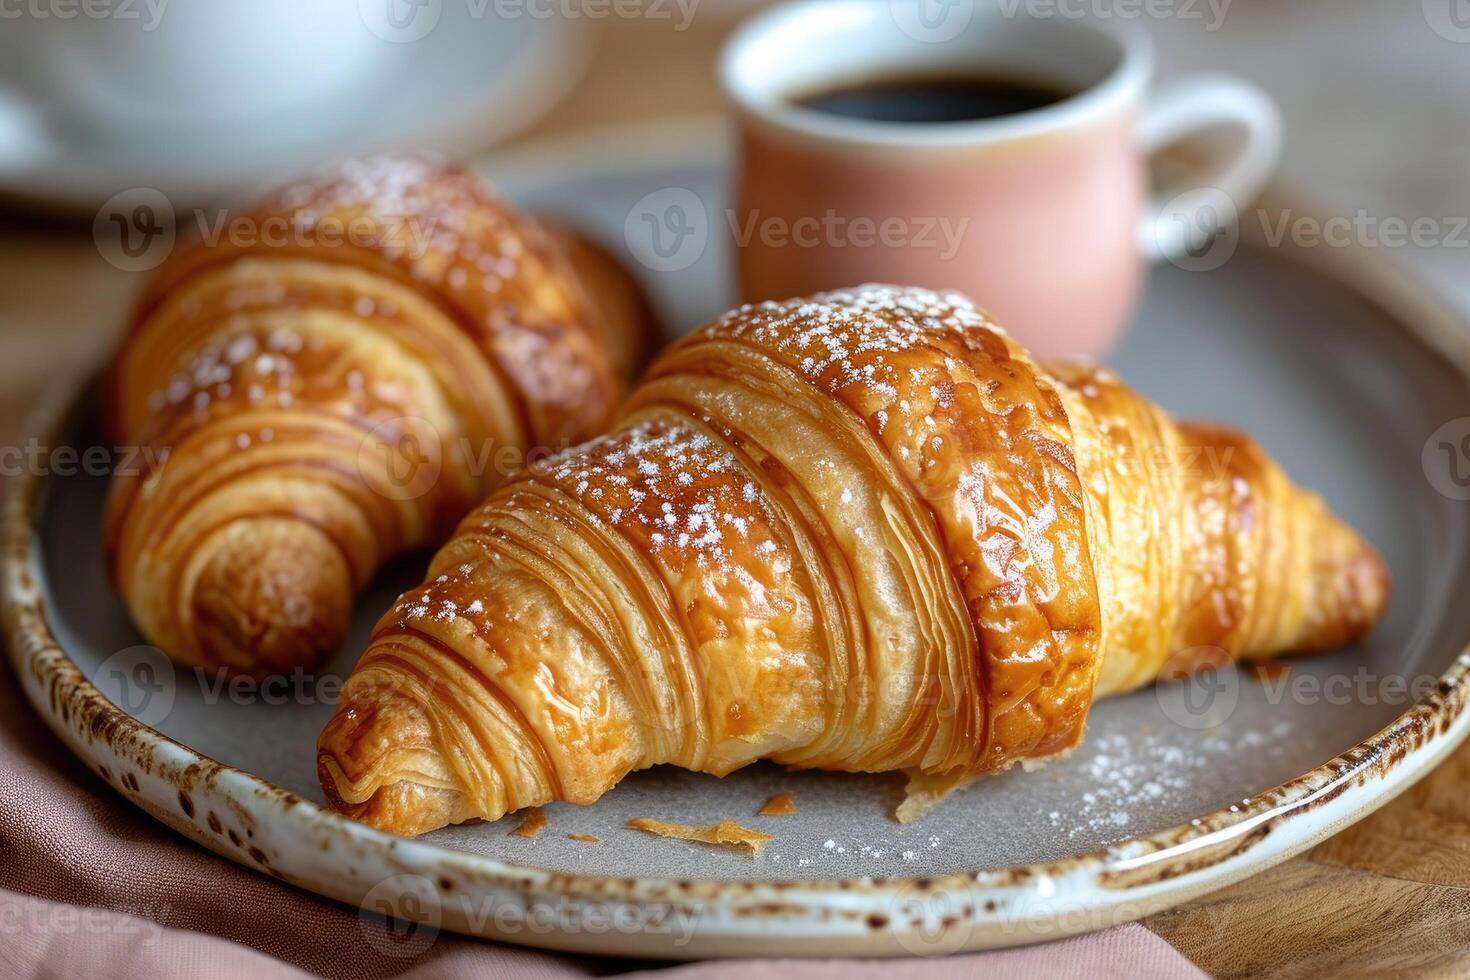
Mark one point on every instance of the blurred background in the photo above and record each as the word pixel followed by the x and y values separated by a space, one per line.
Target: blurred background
pixel 1372 91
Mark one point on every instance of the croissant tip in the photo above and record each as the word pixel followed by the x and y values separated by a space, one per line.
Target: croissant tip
pixel 1368 586
pixel 403 808
pixel 372 725
pixel 1354 593
pixel 274 597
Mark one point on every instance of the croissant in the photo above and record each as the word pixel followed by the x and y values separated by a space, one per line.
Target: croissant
pixel 332 378
pixel 625 317
pixel 861 532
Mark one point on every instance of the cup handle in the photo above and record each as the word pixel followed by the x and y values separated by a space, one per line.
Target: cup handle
pixel 1235 169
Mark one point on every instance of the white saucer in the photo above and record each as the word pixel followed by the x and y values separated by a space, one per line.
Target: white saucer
pixel 469 82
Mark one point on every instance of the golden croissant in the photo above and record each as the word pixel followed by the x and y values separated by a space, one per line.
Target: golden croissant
pixel 335 377
pixel 861 532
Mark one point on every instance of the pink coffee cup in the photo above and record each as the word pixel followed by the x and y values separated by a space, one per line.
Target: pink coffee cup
pixel 1043 217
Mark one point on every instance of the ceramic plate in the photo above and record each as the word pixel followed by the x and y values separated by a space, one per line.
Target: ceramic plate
pixel 1347 373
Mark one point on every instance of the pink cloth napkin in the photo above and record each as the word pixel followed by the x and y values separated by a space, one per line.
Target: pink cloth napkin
pixel 91 886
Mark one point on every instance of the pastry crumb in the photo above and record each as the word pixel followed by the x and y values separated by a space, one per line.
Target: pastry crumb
pixel 925 791
pixel 531 824
pixel 725 833
pixel 780 805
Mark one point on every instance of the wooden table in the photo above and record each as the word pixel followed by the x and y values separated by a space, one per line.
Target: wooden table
pixel 1391 894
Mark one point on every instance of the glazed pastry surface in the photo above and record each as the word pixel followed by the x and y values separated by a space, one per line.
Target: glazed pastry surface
pixel 333 377
pixel 624 314
pixel 863 532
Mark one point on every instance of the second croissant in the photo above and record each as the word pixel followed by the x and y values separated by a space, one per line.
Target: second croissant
pixel 334 380
pixel 863 531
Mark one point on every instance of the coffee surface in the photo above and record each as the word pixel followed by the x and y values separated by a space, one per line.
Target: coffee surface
pixel 935 99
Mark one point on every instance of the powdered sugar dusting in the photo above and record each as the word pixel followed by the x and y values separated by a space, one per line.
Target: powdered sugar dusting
pixel 1121 783
pixel 898 357
pixel 263 368
pixel 1134 773
pixel 254 367
pixel 445 222
pixel 830 334
pixel 669 483
pixel 435 600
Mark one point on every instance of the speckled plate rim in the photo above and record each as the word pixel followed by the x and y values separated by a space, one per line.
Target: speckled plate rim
pixel 272 830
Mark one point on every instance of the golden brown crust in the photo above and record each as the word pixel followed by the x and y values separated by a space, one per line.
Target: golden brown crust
pixel 1210 553
pixel 860 532
pixel 621 309
pixel 336 377
pixel 975 431
pixel 439 230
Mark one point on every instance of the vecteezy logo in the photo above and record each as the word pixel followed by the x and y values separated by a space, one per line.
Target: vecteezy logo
pixel 1205 688
pixel 1450 19
pixel 400 916
pixel 134 229
pixel 400 458
pixel 932 21
pixel 400 21
pixel 668 230
pixel 1446 459
pixel 1199 230
pixel 141 681
pixel 930 921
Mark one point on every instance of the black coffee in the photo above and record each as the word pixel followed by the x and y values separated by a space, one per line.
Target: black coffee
pixel 935 99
